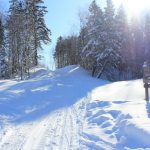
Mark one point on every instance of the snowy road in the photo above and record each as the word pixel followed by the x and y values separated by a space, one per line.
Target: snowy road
pixel 57 131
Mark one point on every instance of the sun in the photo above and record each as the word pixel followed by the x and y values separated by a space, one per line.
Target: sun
pixel 134 7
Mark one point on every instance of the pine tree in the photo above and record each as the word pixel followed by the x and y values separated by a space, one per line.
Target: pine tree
pixel 3 62
pixel 26 33
pixel 147 37
pixel 122 29
pixel 40 33
pixel 58 53
pixel 66 51
pixel 94 37
pixel 15 35
pixel 82 40
pixel 111 54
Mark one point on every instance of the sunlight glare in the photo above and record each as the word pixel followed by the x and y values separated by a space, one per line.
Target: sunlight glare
pixel 134 7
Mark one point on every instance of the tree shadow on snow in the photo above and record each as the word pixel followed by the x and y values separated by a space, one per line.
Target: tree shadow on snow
pixel 33 99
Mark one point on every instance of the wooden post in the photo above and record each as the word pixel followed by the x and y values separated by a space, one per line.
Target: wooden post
pixel 146 92
pixel 146 79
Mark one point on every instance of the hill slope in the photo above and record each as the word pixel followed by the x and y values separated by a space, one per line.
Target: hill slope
pixel 67 109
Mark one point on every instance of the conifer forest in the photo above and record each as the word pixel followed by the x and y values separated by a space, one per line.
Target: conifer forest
pixel 110 45
pixel 22 32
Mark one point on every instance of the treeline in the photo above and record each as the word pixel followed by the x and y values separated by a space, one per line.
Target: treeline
pixel 110 45
pixel 22 33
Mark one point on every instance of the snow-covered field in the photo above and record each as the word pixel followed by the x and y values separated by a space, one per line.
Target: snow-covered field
pixel 69 110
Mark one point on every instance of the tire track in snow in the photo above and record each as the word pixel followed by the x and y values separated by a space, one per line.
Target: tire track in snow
pixel 51 134
pixel 57 131
pixel 41 138
pixel 64 140
pixel 75 132
pixel 69 135
pixel 48 125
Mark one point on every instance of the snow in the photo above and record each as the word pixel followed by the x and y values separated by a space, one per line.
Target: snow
pixel 67 109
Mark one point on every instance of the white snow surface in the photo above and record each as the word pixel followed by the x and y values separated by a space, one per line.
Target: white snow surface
pixel 69 110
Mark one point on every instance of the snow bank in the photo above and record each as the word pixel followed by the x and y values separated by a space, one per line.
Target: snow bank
pixel 118 116
pixel 110 125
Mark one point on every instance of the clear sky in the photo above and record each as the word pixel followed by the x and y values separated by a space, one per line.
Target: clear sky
pixel 62 19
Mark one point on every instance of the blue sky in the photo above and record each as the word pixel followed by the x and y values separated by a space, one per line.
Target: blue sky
pixel 62 18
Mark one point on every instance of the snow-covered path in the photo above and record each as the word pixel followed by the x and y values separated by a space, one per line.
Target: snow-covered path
pixel 56 132
pixel 70 110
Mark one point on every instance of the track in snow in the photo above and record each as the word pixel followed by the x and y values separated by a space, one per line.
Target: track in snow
pixel 57 131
